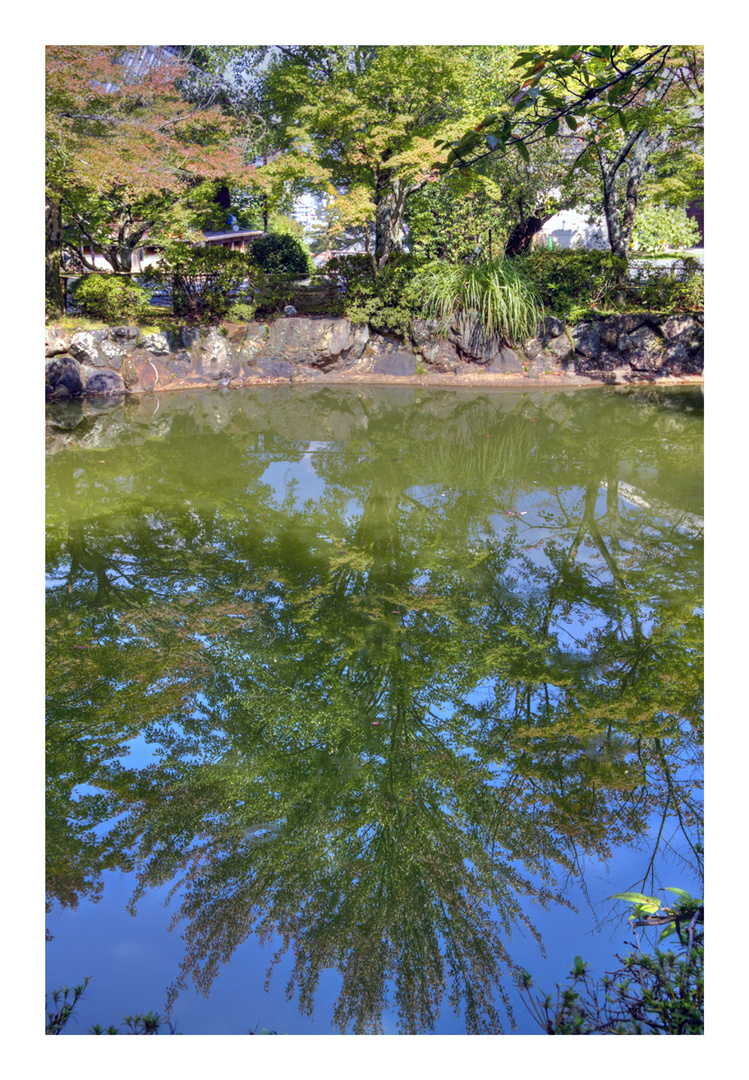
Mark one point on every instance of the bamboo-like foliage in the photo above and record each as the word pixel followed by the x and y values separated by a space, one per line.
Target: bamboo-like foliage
pixel 497 292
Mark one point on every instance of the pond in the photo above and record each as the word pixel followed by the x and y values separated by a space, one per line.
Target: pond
pixel 361 698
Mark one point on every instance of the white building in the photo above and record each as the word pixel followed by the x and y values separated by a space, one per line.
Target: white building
pixel 571 229
pixel 309 211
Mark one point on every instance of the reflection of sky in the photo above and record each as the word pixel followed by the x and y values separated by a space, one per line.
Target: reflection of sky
pixel 131 960
pixel 310 485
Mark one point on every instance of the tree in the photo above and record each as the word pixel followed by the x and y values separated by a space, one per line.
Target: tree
pixel 358 123
pixel 622 104
pixel 496 207
pixel 122 144
pixel 115 223
pixel 524 191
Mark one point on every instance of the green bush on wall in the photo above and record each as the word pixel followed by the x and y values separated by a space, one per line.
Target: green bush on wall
pixel 570 281
pixel 352 276
pixel 678 286
pixel 206 281
pixel 388 302
pixel 567 279
pixel 279 253
pixel 110 298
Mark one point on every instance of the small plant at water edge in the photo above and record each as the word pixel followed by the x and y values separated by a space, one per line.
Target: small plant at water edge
pixel 65 999
pixel 650 993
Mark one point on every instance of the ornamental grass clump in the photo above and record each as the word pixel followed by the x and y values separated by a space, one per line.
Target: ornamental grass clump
pixel 498 294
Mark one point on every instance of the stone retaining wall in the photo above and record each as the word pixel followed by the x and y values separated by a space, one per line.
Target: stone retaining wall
pixel 121 359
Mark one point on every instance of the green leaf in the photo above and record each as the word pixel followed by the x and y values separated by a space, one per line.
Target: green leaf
pixel 551 129
pixel 651 904
pixel 683 895
pixel 580 966
pixel 523 150
pixel 571 122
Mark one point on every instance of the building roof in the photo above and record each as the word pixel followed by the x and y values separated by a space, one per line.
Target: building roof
pixel 233 234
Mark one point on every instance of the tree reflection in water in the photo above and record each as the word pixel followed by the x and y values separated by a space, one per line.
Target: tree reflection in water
pixel 386 718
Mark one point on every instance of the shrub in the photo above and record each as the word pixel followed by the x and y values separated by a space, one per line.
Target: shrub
pixel 206 282
pixel 352 277
pixel 500 293
pixel 241 311
pixel 677 287
pixel 660 227
pixel 276 291
pixel 281 254
pixel 567 279
pixel 388 302
pixel 111 299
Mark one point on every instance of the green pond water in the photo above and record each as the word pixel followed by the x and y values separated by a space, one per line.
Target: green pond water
pixel 384 688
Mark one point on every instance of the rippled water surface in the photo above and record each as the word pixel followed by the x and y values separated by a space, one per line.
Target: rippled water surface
pixel 382 689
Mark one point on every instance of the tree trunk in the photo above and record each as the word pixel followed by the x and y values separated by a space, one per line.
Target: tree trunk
pixel 390 196
pixel 635 171
pixel 620 221
pixel 54 301
pixel 522 235
pixel 611 210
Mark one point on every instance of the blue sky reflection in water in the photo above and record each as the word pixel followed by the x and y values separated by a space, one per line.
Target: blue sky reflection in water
pixel 389 679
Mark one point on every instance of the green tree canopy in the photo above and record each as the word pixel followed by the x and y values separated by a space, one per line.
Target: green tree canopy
pixel 358 124
pixel 618 107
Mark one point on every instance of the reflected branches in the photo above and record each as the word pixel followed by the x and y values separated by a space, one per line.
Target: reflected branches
pixel 384 718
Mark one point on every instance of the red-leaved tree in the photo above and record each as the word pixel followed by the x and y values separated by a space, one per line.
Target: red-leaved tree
pixel 123 147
